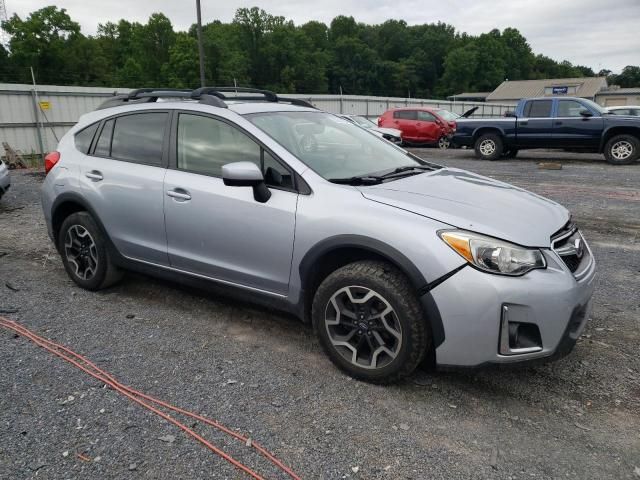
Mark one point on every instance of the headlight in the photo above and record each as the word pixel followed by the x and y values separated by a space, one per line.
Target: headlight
pixel 493 255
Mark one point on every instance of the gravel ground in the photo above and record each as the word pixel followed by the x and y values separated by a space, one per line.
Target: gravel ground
pixel 577 418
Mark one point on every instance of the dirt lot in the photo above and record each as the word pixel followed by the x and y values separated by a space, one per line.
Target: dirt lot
pixel 578 418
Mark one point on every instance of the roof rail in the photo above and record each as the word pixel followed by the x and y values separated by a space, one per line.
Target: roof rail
pixel 214 96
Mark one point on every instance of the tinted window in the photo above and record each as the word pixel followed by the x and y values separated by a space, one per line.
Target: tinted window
pixel 406 114
pixel 138 138
pixel 103 147
pixel 206 144
pixel 274 172
pixel 569 108
pixel 538 109
pixel 621 111
pixel 425 116
pixel 83 137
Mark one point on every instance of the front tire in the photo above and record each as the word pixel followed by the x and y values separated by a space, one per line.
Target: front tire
pixel 489 147
pixel 622 150
pixel 84 253
pixel 370 323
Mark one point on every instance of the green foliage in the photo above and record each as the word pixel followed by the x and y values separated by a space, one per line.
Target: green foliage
pixel 263 50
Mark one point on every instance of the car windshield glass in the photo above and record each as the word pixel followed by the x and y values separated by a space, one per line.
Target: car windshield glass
pixel 364 122
pixel 447 115
pixel 331 146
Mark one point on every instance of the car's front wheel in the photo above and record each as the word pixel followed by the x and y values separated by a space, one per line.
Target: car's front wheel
pixel 444 142
pixel 370 322
pixel 622 150
pixel 84 253
pixel 489 146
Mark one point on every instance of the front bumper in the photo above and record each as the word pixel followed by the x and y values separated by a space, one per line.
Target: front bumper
pixel 472 304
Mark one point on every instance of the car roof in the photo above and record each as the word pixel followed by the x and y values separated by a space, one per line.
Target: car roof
pixel 622 107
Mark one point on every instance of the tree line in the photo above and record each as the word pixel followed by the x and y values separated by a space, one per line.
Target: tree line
pixel 262 50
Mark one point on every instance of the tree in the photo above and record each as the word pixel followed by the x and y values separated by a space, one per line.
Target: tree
pixel 629 77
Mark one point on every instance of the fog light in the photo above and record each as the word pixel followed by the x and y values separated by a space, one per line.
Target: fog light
pixel 517 338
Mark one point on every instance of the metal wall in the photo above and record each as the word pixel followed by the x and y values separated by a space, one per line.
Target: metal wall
pixel 24 124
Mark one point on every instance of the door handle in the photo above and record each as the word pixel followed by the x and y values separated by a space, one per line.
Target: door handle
pixel 524 123
pixel 558 123
pixel 179 194
pixel 94 175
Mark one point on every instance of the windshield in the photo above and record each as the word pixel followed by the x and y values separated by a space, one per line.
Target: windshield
pixel 447 115
pixel 364 122
pixel 331 146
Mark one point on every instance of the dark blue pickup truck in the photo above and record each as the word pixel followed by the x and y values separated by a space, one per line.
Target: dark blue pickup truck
pixel 553 122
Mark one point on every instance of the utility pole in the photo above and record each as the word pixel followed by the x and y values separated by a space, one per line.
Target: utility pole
pixel 200 49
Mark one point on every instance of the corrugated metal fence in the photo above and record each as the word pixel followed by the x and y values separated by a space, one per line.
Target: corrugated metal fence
pixel 32 121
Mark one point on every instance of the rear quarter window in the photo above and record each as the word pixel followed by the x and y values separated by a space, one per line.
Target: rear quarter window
pixel 84 138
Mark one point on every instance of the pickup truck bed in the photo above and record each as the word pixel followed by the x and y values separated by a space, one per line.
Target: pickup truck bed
pixel 553 122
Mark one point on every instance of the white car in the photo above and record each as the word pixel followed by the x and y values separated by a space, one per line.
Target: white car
pixel 392 134
pixel 5 179
pixel 633 110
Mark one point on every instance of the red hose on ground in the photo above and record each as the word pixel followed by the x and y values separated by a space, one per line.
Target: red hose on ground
pixel 132 394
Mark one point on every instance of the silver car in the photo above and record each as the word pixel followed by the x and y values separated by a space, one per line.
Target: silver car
pixel 5 179
pixel 392 134
pixel 394 260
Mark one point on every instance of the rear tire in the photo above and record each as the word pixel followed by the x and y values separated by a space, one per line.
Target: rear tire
pixel 444 143
pixel 84 252
pixel 349 308
pixel 622 150
pixel 489 146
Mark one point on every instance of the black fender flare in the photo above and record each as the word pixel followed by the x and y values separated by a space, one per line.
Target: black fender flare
pixel 388 252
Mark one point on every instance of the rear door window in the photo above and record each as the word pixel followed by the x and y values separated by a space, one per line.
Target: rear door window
pixel 538 109
pixel 406 114
pixel 103 147
pixel 139 137
pixel 84 137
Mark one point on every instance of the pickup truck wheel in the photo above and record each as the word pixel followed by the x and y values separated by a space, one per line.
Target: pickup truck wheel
pixel 370 322
pixel 511 153
pixel 622 150
pixel 489 147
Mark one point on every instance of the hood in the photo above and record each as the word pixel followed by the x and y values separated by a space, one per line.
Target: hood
pixel 469 112
pixel 473 202
pixel 388 131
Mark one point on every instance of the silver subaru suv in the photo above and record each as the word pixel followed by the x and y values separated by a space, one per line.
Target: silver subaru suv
pixel 394 260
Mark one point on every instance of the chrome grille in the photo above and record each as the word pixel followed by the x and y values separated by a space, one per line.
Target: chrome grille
pixel 570 246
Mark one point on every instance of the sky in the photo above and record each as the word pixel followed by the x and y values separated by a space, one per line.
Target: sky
pixel 595 33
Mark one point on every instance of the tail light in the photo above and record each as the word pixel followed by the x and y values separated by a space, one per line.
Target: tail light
pixel 50 161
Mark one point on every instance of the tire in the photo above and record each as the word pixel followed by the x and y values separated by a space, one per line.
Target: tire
pixel 444 143
pixel 84 252
pixel 489 147
pixel 404 330
pixel 622 150
pixel 511 153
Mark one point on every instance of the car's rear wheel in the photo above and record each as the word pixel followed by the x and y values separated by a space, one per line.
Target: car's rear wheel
pixel 370 322
pixel 622 150
pixel 84 253
pixel 489 147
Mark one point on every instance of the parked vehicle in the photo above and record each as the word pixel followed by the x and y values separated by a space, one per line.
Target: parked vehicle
pixel 419 125
pixel 553 122
pixel 394 260
pixel 392 134
pixel 5 179
pixel 633 110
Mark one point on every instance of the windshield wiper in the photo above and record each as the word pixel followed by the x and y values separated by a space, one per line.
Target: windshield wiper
pixel 405 170
pixel 358 180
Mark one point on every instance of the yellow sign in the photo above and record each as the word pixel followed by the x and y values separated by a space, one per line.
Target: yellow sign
pixel 45 105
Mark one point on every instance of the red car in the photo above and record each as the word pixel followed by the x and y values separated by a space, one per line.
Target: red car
pixel 421 125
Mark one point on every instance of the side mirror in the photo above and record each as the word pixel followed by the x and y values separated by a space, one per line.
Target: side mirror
pixel 246 174
pixel 586 113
